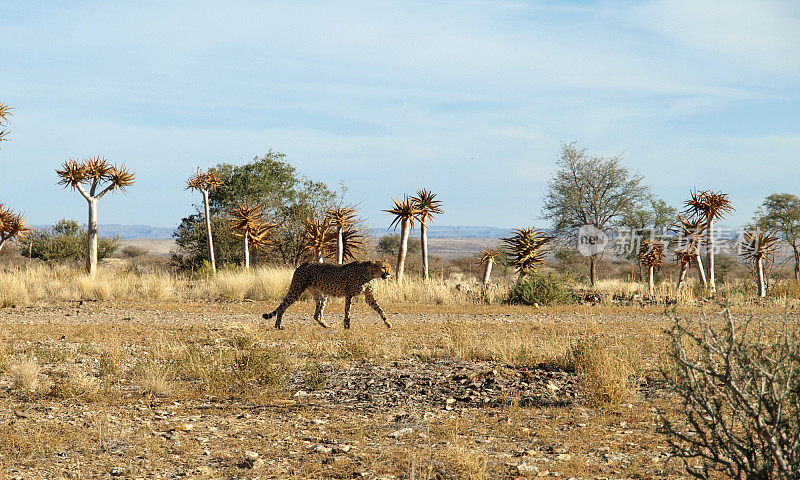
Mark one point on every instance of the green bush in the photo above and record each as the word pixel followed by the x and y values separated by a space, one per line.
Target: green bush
pixel 538 289
pixel 66 241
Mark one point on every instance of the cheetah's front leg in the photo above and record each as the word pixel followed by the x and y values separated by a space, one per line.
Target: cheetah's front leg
pixel 370 299
pixel 348 300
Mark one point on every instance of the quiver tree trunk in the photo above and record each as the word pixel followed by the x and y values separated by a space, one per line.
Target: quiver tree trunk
pixel 762 284
pixel 423 237
pixel 91 254
pixel 681 276
pixel 246 250
pixel 710 233
pixel 339 246
pixel 650 282
pixel 593 270
pixel 701 271
pixel 405 229
pixel 208 232
pixel 487 271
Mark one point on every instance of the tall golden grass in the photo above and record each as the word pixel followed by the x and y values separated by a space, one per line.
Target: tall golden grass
pixel 36 283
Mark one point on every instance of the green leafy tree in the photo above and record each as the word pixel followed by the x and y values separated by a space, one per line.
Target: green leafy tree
pixel 65 241
pixel 390 245
pixel 589 190
pixel 781 212
pixel 271 181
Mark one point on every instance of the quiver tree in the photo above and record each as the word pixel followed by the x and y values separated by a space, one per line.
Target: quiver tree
pixel 486 258
pixel 342 218
pixel 651 256
pixel 12 226
pixel 349 242
pixel 427 205
pixel 94 177
pixel 687 247
pixel 206 182
pixel 526 248
pixel 404 213
pixel 759 248
pixel 317 236
pixel 5 112
pixel 709 206
pixel 247 223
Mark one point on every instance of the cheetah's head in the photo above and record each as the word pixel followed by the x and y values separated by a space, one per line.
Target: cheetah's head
pixel 380 270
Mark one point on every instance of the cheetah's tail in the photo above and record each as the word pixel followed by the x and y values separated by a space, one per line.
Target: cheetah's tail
pixel 267 316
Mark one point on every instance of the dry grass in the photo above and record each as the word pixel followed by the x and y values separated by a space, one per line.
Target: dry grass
pixel 609 371
pixel 25 375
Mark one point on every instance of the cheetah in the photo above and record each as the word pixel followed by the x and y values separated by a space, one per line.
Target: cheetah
pixel 323 279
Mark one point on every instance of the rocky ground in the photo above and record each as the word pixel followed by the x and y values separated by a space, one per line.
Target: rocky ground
pixel 332 414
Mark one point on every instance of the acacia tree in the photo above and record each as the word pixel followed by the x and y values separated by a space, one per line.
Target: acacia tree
pixel 94 177
pixel 526 248
pixel 427 205
pixel 486 258
pixel 206 182
pixel 588 190
pixel 5 112
pixel 12 226
pixel 651 255
pixel 781 212
pixel 404 213
pixel 759 247
pixel 709 206
pixel 342 218
pixel 687 248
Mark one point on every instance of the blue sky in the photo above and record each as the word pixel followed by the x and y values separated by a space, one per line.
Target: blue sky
pixel 470 99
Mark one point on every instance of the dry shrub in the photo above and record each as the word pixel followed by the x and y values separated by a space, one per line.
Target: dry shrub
pixel 95 288
pixel 260 366
pixel 607 372
pixel 154 379
pixel 25 375
pixel 739 389
pixel 75 383
pixel 110 363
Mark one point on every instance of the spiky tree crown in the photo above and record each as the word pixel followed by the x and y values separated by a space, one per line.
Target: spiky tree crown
pixel 93 172
pixel 341 217
pixel 526 249
pixel 317 234
pixel 204 181
pixel 248 220
pixel 757 245
pixel 651 254
pixel 690 237
pixel 5 112
pixel 488 254
pixel 427 205
pixel 403 210
pixel 708 205
pixel 352 243
pixel 12 225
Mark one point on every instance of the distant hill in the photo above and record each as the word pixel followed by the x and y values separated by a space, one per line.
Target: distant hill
pixel 443 231
pixel 435 231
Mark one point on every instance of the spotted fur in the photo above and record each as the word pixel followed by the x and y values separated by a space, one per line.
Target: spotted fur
pixel 325 279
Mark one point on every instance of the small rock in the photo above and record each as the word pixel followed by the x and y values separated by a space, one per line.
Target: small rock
pixel 186 427
pixel 323 449
pixel 401 433
pixel 526 468
pixel 117 471
pixel 204 470
pixel 564 457
pixel 301 394
pixel 341 448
